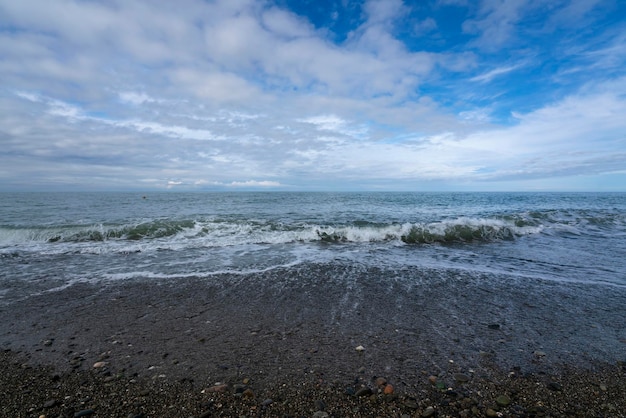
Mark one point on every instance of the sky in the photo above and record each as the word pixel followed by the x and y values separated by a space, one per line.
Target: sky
pixel 430 95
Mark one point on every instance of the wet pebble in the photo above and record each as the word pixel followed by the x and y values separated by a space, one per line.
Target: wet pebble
pixel 555 386
pixel 503 400
pixel 428 412
pixel 461 378
pixel 364 392
pixel 50 403
pixel 84 413
pixel 320 405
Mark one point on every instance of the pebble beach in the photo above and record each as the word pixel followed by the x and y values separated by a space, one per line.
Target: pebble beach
pixel 144 350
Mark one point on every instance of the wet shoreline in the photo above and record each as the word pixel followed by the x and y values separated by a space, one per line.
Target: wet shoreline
pixel 291 329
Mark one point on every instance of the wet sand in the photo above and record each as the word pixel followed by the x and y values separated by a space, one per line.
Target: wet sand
pixel 271 346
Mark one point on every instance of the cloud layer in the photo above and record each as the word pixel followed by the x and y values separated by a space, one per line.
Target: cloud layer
pixel 249 94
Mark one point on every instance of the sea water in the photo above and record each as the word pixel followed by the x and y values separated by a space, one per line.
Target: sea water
pixel 66 237
pixel 550 265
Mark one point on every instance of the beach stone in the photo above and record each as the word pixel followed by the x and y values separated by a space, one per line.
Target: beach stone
pixel 381 381
pixel 388 389
pixel 432 379
pixel 555 386
pixel 320 405
pixel 84 413
pixel 491 413
pixel 320 414
pixel 267 402
pixel 503 400
pixel 364 392
pixel 50 403
pixel 248 393
pixel 411 404
pixel 428 412
pixel 462 378
pixel 99 364
pixel 222 388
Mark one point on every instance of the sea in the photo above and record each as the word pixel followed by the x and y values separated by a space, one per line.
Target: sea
pixel 549 264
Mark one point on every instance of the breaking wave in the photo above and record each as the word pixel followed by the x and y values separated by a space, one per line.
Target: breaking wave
pixel 224 233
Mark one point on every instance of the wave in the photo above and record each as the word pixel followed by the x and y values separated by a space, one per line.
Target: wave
pixel 227 232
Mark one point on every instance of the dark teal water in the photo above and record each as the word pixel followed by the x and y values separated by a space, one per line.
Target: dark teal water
pixel 114 236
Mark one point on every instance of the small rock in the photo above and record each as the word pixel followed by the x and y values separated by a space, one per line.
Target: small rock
pixel 50 403
pixel 432 379
pixel 84 413
pixel 99 364
pixel 462 378
pixel 350 391
pixel 503 400
pixel 388 389
pixel 428 412
pixel 539 353
pixel 248 393
pixel 493 326
pixel 267 402
pixel 364 392
pixel 239 388
pixel 411 404
pixel 360 348
pixel 381 382
pixel 491 413
pixel 555 386
pixel 320 414
pixel 221 388
pixel 603 387
pixel 320 405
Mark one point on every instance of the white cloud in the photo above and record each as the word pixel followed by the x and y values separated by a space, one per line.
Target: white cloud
pixel 490 75
pixel 255 183
pixel 204 94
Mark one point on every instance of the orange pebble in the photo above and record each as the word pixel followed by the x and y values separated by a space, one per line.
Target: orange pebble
pixel 388 389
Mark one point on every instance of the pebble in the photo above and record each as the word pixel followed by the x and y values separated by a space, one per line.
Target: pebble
pixel 320 414
pixel 503 400
pixel 267 402
pixel 320 405
pixel 388 389
pixel 248 393
pixel 221 388
pixel 364 392
pixel 381 381
pixel 99 364
pixel 491 413
pixel 462 378
pixel 84 413
pixel 50 403
pixel 555 386
pixel 360 348
pixel 428 412
pixel 432 379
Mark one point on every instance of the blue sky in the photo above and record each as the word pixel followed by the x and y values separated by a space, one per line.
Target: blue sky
pixel 313 95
